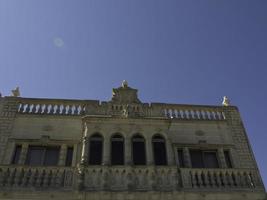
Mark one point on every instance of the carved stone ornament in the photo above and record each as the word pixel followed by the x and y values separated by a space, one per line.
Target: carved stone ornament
pixel 124 94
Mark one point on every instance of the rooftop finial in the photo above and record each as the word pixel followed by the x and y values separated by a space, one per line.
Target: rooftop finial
pixel 124 84
pixel 226 101
pixel 15 92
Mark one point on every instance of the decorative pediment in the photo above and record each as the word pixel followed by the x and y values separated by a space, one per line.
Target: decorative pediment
pixel 125 95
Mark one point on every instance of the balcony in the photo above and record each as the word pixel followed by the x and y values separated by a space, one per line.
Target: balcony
pixel 129 178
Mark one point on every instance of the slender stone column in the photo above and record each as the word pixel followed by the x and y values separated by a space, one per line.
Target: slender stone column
pixel 62 155
pixel 187 159
pixel 106 151
pixel 127 151
pixel 23 154
pixel 149 154
pixel 221 158
pixel 85 146
pixel 169 149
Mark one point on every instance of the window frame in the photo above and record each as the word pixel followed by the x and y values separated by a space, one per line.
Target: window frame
pixel 138 139
pixel 117 137
pixel 44 149
pixel 202 153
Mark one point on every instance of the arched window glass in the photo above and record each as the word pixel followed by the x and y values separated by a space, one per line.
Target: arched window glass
pixel 95 149
pixel 117 150
pixel 159 150
pixel 139 153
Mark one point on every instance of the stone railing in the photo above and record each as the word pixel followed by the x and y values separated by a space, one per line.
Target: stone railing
pixel 36 177
pixel 51 106
pixel 127 178
pixel 194 112
pixel 220 179
pixel 94 107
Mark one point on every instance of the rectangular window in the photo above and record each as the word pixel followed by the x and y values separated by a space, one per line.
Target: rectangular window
pixel 181 157
pixel 196 159
pixel 16 155
pixel 228 159
pixel 204 159
pixel 41 155
pixel 69 156
pixel 210 160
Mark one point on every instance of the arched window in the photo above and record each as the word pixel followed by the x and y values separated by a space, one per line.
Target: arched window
pixel 117 150
pixel 139 152
pixel 95 149
pixel 159 150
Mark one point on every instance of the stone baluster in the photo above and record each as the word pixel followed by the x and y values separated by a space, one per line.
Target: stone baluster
pixel 218 179
pixel 46 177
pixel 17 178
pixel 230 179
pixel 179 114
pixel 32 174
pixel 76 110
pixel 64 110
pixel 40 109
pixel 212 178
pixel 57 109
pixel 10 177
pixel 149 155
pixel 45 109
pixel 206 181
pixel 33 108
pixel 23 154
pixel 224 180
pixel 193 177
pixel 28 107
pixel 199 178
pixel 190 115
pixel 187 159
pixel 127 151
pixel 25 177
pixel 39 177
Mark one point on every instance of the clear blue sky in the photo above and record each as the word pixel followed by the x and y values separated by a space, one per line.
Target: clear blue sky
pixel 179 51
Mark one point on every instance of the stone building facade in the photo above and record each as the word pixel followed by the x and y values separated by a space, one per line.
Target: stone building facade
pixel 124 149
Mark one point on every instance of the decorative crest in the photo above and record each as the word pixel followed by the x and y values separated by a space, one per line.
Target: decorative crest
pixel 124 94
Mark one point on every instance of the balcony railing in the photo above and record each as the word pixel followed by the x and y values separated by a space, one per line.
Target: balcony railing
pixel 129 178
pixel 36 177
pixel 220 179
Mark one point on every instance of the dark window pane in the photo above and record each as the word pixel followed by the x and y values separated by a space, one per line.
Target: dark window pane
pixel 16 155
pixel 95 152
pixel 35 155
pixel 228 159
pixel 210 160
pixel 181 157
pixel 196 159
pixel 51 156
pixel 159 153
pixel 139 154
pixel 117 155
pixel 69 156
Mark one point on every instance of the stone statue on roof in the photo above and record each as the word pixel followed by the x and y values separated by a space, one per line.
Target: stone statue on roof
pixel 15 92
pixel 226 101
